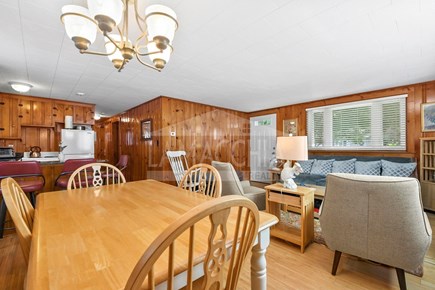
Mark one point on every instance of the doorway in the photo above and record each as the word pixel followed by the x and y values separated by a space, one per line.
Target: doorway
pixel 262 144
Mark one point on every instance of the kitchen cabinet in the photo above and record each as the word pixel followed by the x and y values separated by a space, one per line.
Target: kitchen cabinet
pixel 60 110
pixel 9 125
pixel 35 112
pixel 83 115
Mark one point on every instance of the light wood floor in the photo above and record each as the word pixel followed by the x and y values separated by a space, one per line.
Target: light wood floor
pixel 287 269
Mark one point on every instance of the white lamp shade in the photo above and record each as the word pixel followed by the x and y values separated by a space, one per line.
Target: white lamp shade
pixel 160 25
pixel 292 148
pixel 20 87
pixel 110 8
pixel 110 47
pixel 165 55
pixel 77 26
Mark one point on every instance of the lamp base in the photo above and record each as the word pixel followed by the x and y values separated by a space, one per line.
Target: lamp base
pixel 289 183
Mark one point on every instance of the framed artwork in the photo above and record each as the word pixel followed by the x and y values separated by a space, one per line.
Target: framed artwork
pixel 146 129
pixel 428 117
pixel 290 127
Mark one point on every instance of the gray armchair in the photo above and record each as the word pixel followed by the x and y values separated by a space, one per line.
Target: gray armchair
pixel 378 218
pixel 232 185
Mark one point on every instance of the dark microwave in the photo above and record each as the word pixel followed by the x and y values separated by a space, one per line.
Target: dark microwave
pixel 7 152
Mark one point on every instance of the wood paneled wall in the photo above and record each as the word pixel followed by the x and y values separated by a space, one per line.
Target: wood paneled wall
pixel 144 155
pixel 417 94
pixel 205 132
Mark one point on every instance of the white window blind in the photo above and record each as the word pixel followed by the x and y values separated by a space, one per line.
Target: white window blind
pixel 378 124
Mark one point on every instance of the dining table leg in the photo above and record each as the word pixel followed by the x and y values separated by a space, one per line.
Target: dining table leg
pixel 258 261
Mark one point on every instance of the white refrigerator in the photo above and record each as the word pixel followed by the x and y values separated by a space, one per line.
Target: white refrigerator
pixel 77 144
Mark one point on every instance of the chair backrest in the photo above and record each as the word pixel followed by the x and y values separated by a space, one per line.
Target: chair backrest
pixel 230 180
pixel 95 174
pixel 178 162
pixel 21 212
pixel 379 218
pixel 241 229
pixel 122 162
pixel 72 164
pixel 68 168
pixel 202 178
pixel 20 169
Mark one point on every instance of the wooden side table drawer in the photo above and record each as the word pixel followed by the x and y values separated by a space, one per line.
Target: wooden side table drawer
pixel 285 199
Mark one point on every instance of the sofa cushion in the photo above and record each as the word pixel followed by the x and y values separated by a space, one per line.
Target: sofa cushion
pixel 397 169
pixel 306 165
pixel 310 179
pixel 368 167
pixel 345 166
pixel 322 167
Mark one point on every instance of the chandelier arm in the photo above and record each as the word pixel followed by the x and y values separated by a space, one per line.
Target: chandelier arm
pixel 114 42
pixel 138 41
pixel 139 20
pixel 148 65
pixel 80 15
pixel 82 51
pixel 148 53
pixel 125 24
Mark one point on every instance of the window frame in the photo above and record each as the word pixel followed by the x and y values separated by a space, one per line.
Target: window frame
pixel 377 132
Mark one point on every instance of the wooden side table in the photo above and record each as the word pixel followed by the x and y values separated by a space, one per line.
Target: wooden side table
pixel 300 200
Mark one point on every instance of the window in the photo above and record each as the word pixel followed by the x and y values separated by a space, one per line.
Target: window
pixel 378 124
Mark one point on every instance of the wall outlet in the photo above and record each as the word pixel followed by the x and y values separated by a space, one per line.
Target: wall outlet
pixel 173 134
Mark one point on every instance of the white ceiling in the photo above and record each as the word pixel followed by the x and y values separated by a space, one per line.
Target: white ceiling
pixel 241 54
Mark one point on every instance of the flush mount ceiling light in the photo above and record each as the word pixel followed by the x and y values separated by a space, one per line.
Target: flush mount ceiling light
pixel 157 29
pixel 20 87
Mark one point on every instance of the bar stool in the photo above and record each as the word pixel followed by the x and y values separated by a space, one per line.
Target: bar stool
pixel 122 162
pixel 28 175
pixel 68 168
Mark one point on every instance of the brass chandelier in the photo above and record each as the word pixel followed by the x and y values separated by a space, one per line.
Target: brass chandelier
pixel 157 30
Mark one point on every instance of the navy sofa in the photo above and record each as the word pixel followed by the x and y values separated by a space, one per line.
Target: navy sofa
pixel 320 180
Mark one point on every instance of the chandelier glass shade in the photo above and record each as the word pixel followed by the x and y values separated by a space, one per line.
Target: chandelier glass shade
pixel 110 18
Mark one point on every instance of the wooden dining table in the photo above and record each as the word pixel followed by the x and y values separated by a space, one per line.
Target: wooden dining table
pixel 92 238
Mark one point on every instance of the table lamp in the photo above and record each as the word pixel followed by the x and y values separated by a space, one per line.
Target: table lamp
pixel 291 148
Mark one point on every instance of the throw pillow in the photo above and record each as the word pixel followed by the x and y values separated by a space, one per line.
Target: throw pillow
pixel 368 167
pixel 345 166
pixel 306 165
pixel 322 167
pixel 397 169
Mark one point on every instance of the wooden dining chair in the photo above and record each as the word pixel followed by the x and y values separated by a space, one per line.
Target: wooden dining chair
pixel 178 162
pixel 227 244
pixel 21 211
pixel 202 178
pixel 29 176
pixel 94 175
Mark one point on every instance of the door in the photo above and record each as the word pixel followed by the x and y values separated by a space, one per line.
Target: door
pixel 262 143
